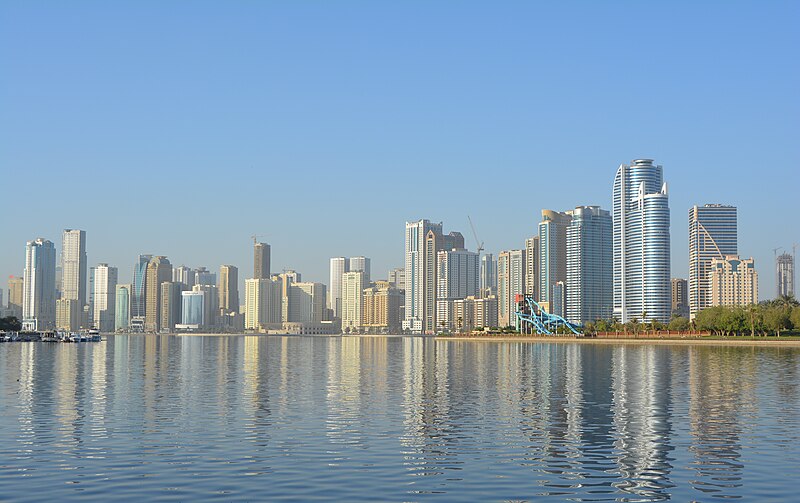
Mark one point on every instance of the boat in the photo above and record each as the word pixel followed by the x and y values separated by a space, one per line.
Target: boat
pixel 93 335
pixel 50 337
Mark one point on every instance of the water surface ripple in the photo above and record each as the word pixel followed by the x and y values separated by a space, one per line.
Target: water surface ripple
pixel 396 419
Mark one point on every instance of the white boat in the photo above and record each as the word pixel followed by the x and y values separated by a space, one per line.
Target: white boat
pixel 94 335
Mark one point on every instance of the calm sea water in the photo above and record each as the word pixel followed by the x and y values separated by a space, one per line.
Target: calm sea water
pixel 396 419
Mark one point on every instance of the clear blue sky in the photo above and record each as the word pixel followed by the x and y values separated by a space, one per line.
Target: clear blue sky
pixel 181 128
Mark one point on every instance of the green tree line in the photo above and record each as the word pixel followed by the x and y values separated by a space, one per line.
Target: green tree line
pixel 768 317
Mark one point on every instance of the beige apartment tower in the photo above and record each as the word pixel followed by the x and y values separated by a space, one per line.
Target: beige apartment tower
pixel 381 311
pixel 159 271
pixel 353 284
pixel 733 281
pixel 15 296
pixel 228 289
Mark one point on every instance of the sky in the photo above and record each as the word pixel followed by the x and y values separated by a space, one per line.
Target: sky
pixel 183 128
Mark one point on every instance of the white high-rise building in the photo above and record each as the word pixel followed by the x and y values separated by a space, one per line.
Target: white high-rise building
pixel 488 275
pixel 510 283
pixel 532 261
pixel 589 286
pixel 183 274
pixel 262 304
pixel 353 285
pixel 361 264
pixel 73 266
pixel 339 266
pixel 417 280
pixel 458 274
pixel 39 288
pixel 105 290
pixel 458 277
pixel 642 288
pixel 306 303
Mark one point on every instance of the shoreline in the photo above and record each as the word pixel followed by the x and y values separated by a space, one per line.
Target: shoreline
pixel 662 342
pixel 743 341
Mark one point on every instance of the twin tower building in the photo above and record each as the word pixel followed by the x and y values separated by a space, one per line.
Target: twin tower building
pixel 585 264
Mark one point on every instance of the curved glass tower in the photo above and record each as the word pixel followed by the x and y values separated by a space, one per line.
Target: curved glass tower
pixel 641 243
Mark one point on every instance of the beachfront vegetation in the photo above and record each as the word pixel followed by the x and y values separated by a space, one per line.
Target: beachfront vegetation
pixel 772 317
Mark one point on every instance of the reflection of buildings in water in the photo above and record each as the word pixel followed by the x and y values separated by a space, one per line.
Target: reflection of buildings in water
pixel 30 391
pixel 343 393
pixel 150 382
pixel 68 374
pixel 428 428
pixel 642 419
pixel 98 390
pixel 721 397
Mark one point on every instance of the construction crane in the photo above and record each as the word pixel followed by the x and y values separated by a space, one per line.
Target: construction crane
pixel 255 238
pixel 775 251
pixel 475 233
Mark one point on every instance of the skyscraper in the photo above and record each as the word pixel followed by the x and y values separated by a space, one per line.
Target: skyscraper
pixel 641 243
pixel 353 285
pixel 712 234
pixel 680 297
pixel 361 264
pixel 458 277
pixel 261 260
pixel 193 305
pixel 262 304
pixel 73 266
pixel 397 277
pixel 488 275
pixel 552 251
pixel 589 285
pixel 784 267
pixel 339 266
pixel 510 283
pixel 306 303
pixel 16 289
pixel 457 274
pixel 105 290
pixel 122 313
pixel 228 288
pixel 171 303
pixel 417 277
pixel 203 276
pixel 39 286
pixel 183 274
pixel 138 293
pixel 159 270
pixel 532 267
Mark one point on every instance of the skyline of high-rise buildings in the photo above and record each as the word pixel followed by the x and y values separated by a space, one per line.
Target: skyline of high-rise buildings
pixel 563 267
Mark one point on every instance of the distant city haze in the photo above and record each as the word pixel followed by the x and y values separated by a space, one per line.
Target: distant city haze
pixel 183 130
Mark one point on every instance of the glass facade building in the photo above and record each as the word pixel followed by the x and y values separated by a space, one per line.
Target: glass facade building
pixel 712 234
pixel 122 313
pixel 193 308
pixel 589 285
pixel 641 243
